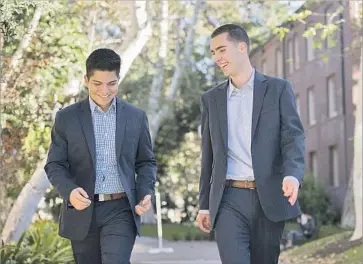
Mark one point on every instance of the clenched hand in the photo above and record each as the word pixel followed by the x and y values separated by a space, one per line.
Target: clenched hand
pixel 79 199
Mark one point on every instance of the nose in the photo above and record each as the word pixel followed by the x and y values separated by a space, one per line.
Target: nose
pixel 103 89
pixel 217 58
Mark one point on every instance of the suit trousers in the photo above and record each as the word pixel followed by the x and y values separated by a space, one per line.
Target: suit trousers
pixel 244 234
pixel 111 237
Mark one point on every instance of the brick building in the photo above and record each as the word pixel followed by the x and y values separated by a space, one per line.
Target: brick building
pixel 322 78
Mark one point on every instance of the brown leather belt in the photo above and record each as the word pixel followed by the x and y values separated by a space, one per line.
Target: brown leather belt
pixel 241 184
pixel 107 197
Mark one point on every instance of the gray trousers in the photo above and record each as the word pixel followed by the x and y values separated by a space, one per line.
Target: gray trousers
pixel 111 236
pixel 243 233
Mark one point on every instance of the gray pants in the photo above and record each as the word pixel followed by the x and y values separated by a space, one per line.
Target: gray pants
pixel 111 236
pixel 243 233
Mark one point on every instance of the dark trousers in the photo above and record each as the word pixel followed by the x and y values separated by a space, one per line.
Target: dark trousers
pixel 111 236
pixel 244 235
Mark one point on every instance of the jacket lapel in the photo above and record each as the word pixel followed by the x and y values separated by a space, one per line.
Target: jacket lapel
pixel 259 91
pixel 120 125
pixel 220 96
pixel 87 126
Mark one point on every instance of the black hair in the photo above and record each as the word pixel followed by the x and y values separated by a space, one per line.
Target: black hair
pixel 235 33
pixel 103 60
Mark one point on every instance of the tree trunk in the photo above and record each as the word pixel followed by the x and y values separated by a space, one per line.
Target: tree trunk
pixel 348 215
pixel 357 162
pixel 14 63
pixel 158 107
pixel 143 35
pixel 26 205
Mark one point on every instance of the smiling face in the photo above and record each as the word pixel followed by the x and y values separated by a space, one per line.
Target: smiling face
pixel 102 87
pixel 229 55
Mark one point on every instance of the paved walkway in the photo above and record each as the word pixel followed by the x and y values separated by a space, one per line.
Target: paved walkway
pixel 184 252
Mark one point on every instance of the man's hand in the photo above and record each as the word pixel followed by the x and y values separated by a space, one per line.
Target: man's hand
pixel 79 199
pixel 204 222
pixel 290 189
pixel 144 205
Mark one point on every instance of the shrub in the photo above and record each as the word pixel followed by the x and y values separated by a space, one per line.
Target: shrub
pixel 41 244
pixel 314 200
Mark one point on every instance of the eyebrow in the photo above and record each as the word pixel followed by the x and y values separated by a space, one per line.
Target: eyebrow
pixel 218 48
pixel 95 81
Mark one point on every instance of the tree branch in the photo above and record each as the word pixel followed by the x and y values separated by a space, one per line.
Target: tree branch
pixel 14 63
pixel 135 47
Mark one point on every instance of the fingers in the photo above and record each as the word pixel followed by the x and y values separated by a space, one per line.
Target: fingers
pixel 146 202
pixel 82 196
pixel 144 205
pixel 287 188
pixel 82 201
pixel 140 210
pixel 83 193
pixel 147 198
pixel 293 197
pixel 290 190
pixel 78 199
pixel 204 222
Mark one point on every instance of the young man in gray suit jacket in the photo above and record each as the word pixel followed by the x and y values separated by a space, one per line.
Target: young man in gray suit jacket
pixel 252 155
pixel 98 145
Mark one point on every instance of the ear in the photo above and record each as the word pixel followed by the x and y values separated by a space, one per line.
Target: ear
pixel 85 78
pixel 242 47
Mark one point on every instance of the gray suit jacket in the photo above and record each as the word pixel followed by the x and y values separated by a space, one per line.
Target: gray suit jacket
pixel 277 146
pixel 71 160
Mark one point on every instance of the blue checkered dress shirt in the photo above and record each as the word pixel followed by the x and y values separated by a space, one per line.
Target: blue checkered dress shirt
pixel 108 179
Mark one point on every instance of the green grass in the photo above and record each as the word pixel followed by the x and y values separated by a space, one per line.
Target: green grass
pixel 174 232
pixel 312 247
pixel 351 256
pixel 328 230
pixel 324 231
pixel 332 249
pixel 188 232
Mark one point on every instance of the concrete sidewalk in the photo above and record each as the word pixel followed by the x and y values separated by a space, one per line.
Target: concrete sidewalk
pixel 185 252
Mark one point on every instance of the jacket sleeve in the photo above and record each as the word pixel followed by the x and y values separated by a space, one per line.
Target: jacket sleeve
pixel 207 158
pixel 57 167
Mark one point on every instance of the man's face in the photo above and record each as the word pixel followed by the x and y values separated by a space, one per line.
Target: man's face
pixel 102 87
pixel 227 54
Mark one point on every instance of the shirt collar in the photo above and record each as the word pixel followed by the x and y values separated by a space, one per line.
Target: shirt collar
pixel 249 84
pixel 93 105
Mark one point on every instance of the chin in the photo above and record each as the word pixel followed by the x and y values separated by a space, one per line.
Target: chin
pixel 227 74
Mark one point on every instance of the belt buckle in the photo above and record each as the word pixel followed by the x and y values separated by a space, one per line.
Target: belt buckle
pixel 101 197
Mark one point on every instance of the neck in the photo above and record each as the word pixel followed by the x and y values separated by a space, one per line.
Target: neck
pixel 241 78
pixel 105 107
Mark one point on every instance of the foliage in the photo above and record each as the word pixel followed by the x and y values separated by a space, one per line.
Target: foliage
pixel 37 88
pixel 11 14
pixel 40 245
pixel 314 200
pixel 175 232
pixel 334 249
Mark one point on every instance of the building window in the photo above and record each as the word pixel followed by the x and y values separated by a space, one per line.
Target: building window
pixel 263 67
pixel 310 52
pixel 297 100
pixel 313 164
pixel 296 52
pixel 290 59
pixel 334 166
pixel 311 106
pixel 332 106
pixel 279 69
